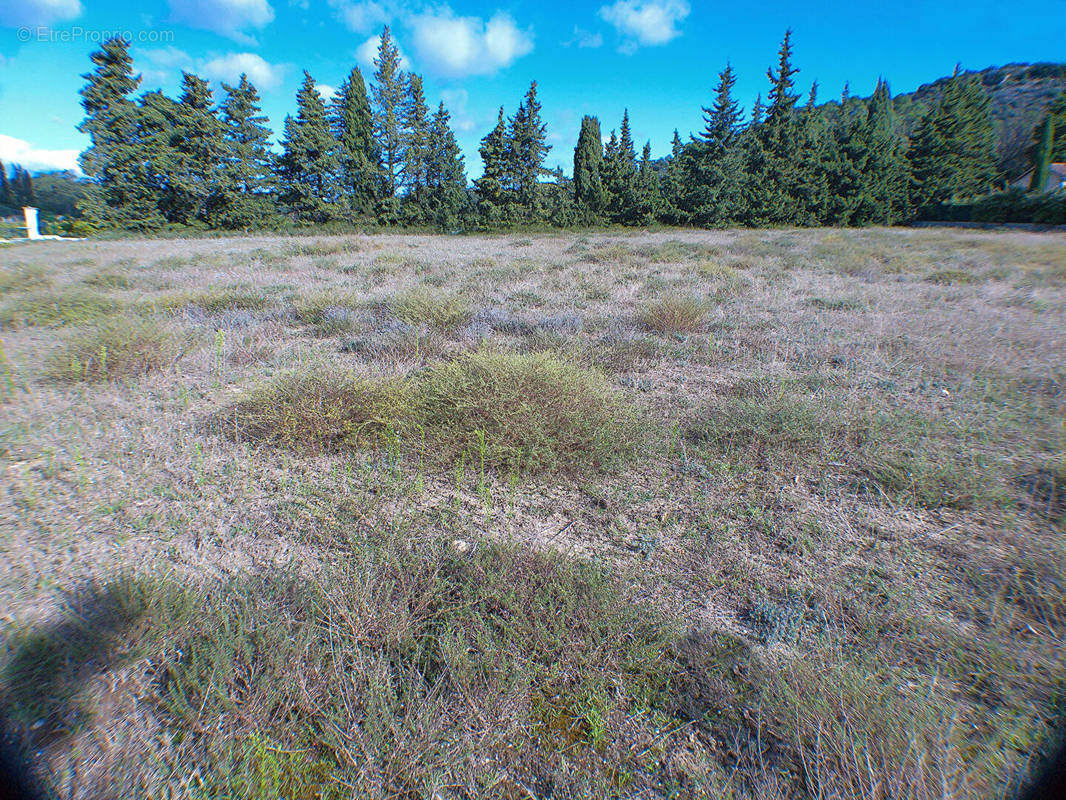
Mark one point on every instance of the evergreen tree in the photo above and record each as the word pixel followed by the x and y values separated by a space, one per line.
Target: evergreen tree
pixel 527 148
pixel 121 194
pixel 712 170
pixel 561 209
pixel 621 176
pixel 7 197
pixel 491 187
pixel 648 204
pixel 1057 111
pixel 885 199
pixel 157 120
pixel 1042 156
pixel 588 165
pixel 353 126
pixel 953 152
pixel 672 186
pixel 27 196
pixel 246 171
pixel 389 88
pixel 780 184
pixel 445 177
pixel 723 119
pixel 198 146
pixel 309 166
pixel 415 134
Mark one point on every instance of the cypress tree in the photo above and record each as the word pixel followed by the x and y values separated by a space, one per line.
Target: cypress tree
pixel 309 166
pixel 491 187
pixel 886 171
pixel 1042 156
pixel 27 195
pixel 157 119
pixel 246 173
pixel 445 177
pixel 588 165
pixel 953 152
pixel 122 191
pixel 389 88
pixel 353 126
pixel 621 175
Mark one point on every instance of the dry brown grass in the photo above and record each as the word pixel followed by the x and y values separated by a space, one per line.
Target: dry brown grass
pixel 812 545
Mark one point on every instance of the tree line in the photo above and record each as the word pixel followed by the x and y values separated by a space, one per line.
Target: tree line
pixel 383 156
pixel 17 189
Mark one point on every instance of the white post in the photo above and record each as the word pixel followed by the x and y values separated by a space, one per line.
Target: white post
pixel 31 223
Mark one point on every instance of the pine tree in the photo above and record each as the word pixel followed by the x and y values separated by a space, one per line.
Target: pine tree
pixel 390 85
pixel 198 146
pixel 711 182
pixel 445 177
pixel 672 186
pixel 353 126
pixel 648 204
pixel 621 176
pixel 722 120
pixel 246 171
pixel 492 186
pixel 588 164
pixel 1042 156
pixel 122 193
pixel 415 136
pixel 527 148
pixel 953 151
pixel 7 197
pixel 780 185
pixel 309 167
pixel 886 171
pixel 27 196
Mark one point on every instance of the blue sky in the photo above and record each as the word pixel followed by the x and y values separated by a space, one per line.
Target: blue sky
pixel 658 57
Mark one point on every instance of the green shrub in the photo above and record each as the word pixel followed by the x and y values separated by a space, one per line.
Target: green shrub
pixel 951 277
pixel 67 306
pixel 436 309
pixel 123 347
pixel 528 411
pixel 229 298
pixel 328 313
pixel 20 277
pixel 674 315
pixel 321 410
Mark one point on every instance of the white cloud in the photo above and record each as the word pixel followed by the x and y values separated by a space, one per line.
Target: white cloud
pixel 228 68
pixel 227 17
pixel 38 12
pixel 368 51
pixel 19 151
pixel 583 38
pixel 325 91
pixel 362 17
pixel 646 23
pixel 457 46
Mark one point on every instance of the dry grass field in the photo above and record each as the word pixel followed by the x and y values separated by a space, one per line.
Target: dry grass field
pixel 685 514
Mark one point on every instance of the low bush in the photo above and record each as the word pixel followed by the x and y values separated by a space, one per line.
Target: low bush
pixel 123 347
pixel 439 310
pixel 73 305
pixel 674 315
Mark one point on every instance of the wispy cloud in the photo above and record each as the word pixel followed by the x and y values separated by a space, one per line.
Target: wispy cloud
pixel 32 13
pixel 231 18
pixel 19 151
pixel 454 46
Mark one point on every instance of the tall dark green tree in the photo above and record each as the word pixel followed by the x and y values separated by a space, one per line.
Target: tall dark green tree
pixel 1042 155
pixel 27 195
pixel 415 135
pixel 389 89
pixel 492 186
pixel 309 168
pixel 445 177
pixel 199 150
pixel 648 204
pixel 7 197
pixel 722 120
pixel 588 164
pixel 886 173
pixel 121 194
pixel 711 186
pixel 246 173
pixel 353 126
pixel 953 151
pixel 672 185
pixel 620 175
pixel 527 147
pixel 779 185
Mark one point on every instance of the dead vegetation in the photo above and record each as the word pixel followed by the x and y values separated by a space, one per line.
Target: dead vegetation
pixel 721 514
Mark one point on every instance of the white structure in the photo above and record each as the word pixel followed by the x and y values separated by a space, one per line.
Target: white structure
pixel 31 223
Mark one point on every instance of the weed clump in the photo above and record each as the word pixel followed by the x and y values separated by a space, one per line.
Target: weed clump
pixel 446 312
pixel 528 411
pixel 119 348
pixel 67 306
pixel 674 315
pixel 321 411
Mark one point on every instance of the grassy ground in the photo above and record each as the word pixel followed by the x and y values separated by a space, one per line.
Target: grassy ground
pixel 722 514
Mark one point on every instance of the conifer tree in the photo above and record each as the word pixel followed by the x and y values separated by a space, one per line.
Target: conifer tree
pixel 121 192
pixel 1042 156
pixel 1057 112
pixel 198 149
pixel 588 165
pixel 648 203
pixel 415 135
pixel 722 120
pixel 445 177
pixel 309 167
pixel 953 151
pixel 712 169
pixel 157 119
pixel 527 148
pixel 492 186
pixel 885 192
pixel 672 185
pixel 246 172
pixel 27 195
pixel 390 85
pixel 7 197
pixel 353 126
pixel 621 175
